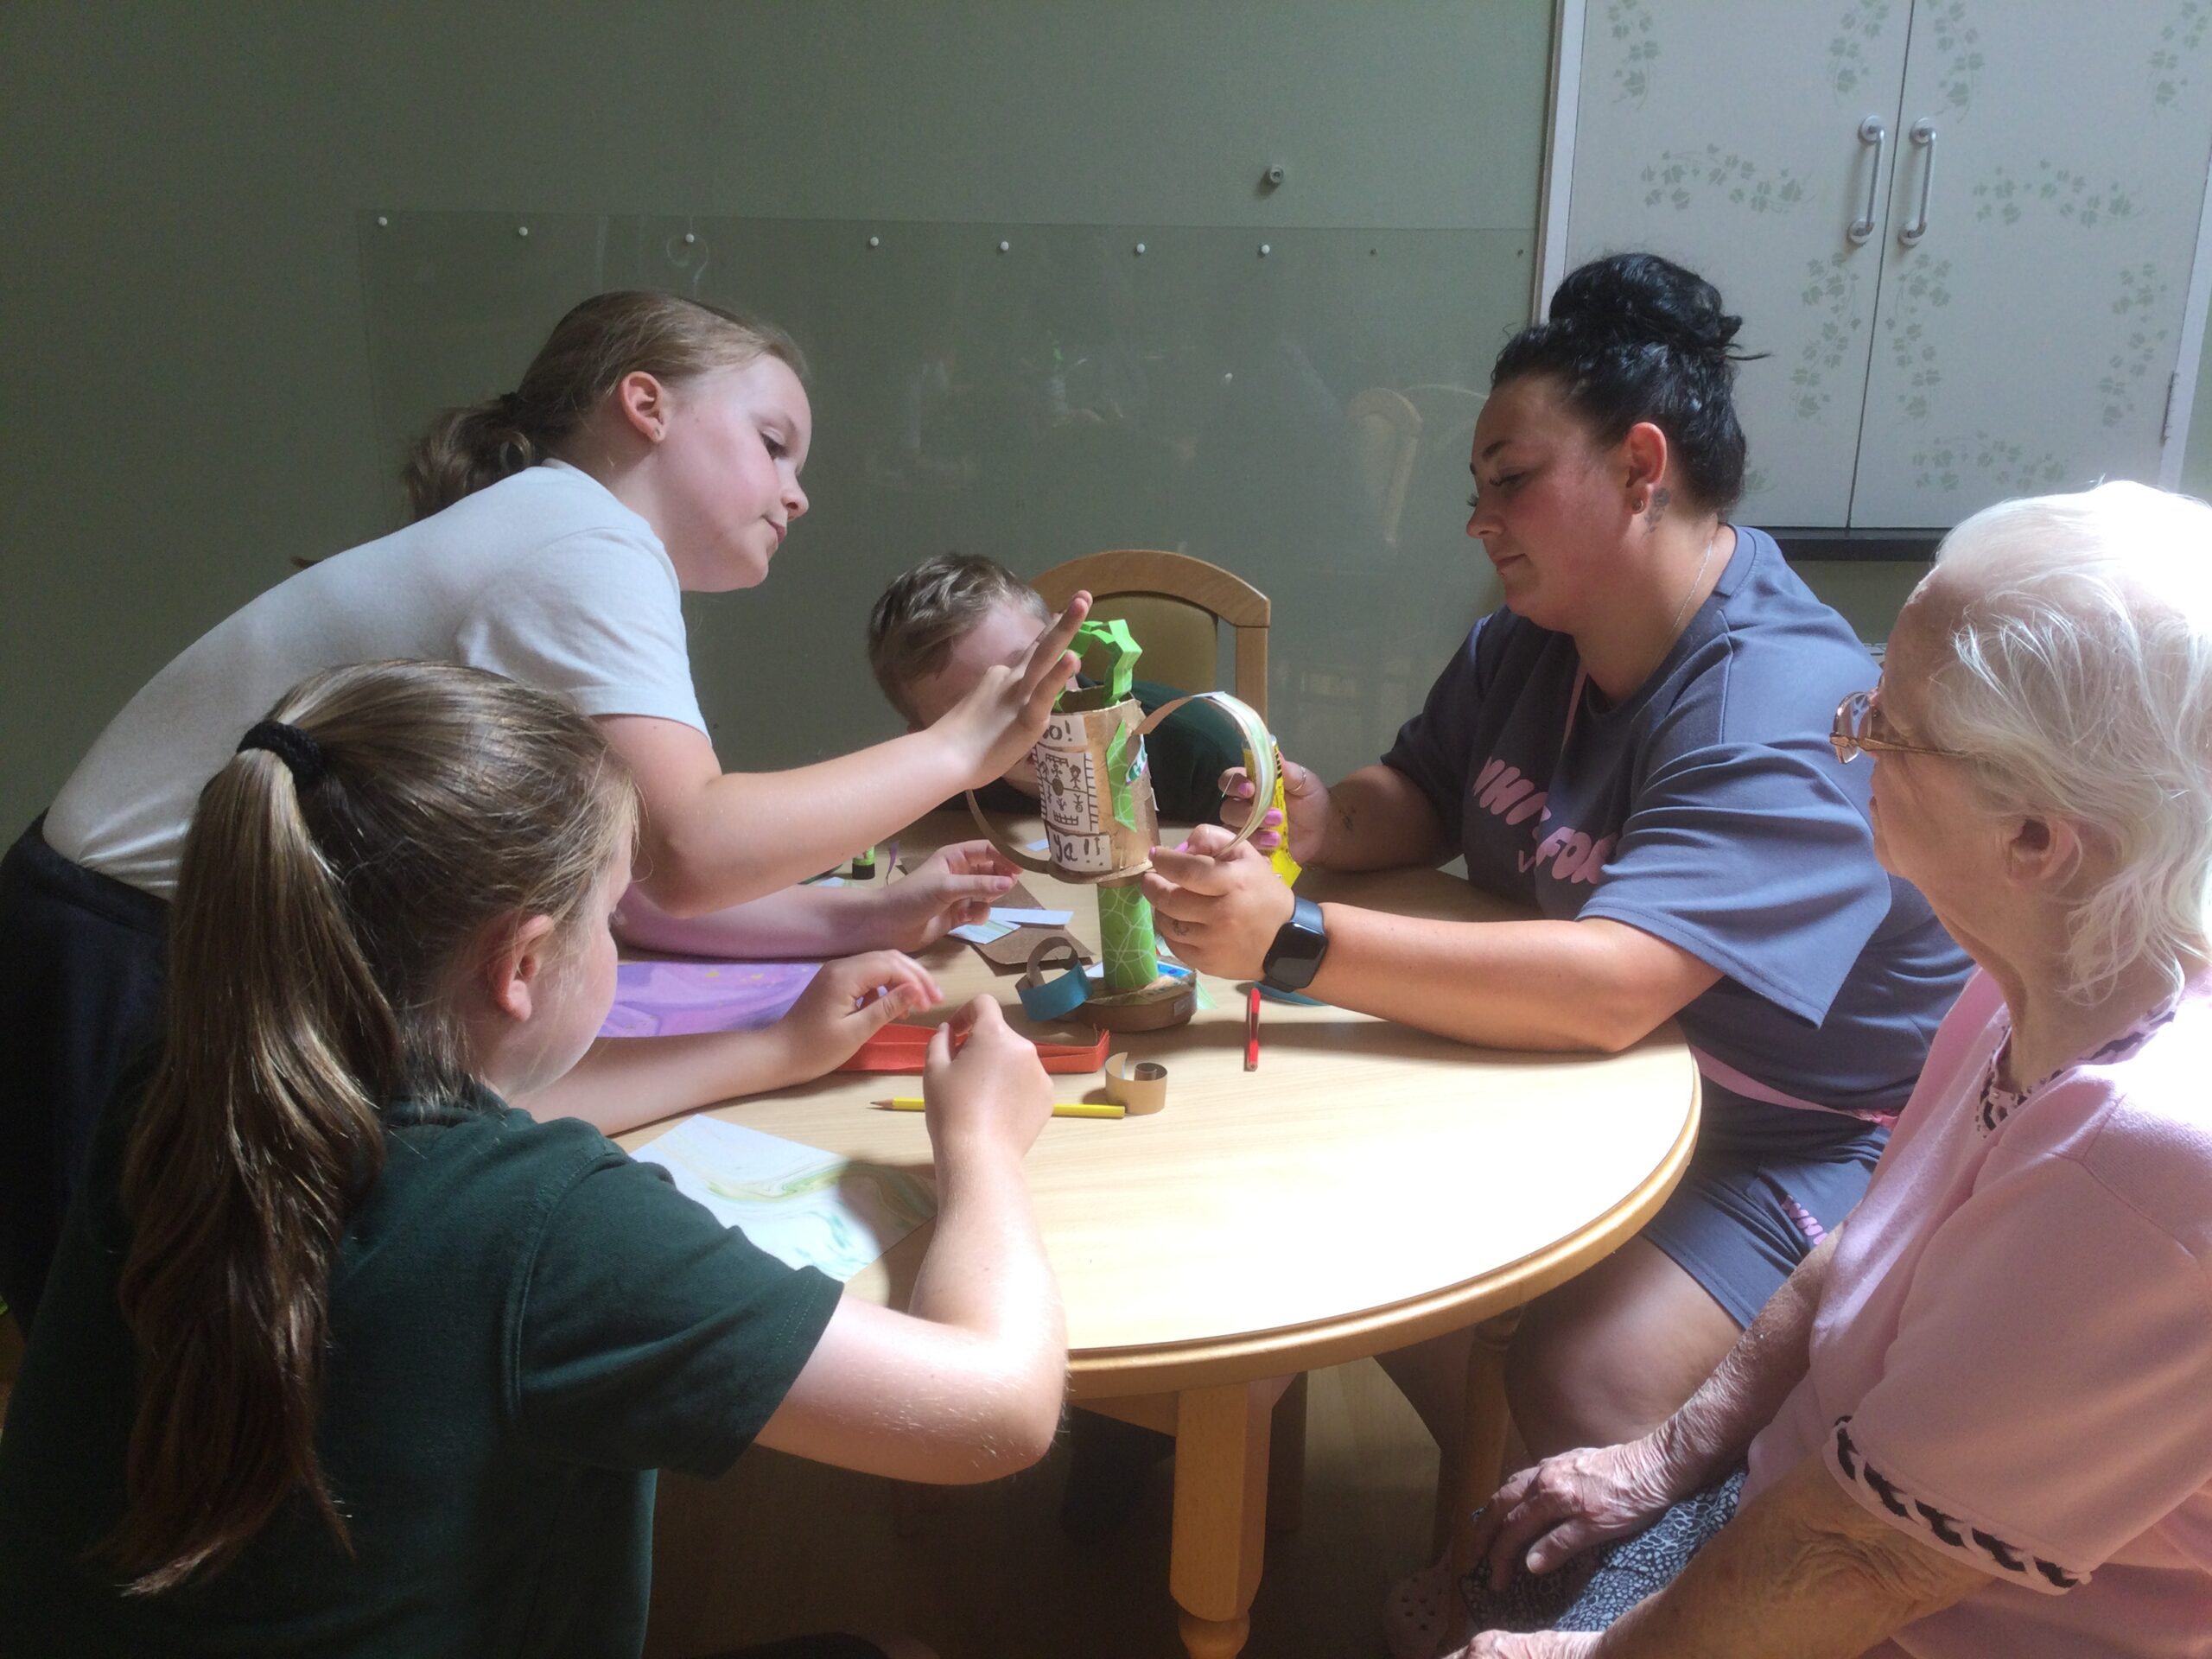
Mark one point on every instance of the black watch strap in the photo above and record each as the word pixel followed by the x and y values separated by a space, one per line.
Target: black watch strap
pixel 1300 943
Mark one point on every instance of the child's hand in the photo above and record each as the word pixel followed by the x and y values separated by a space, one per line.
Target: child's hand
pixel 1001 718
pixel 993 1094
pixel 846 1003
pixel 1306 799
pixel 950 888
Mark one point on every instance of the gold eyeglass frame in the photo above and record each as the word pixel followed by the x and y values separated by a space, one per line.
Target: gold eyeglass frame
pixel 1845 740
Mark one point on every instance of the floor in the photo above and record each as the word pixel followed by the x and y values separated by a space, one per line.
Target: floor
pixel 779 1546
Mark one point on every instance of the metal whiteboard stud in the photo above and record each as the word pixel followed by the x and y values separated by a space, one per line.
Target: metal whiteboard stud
pixel 384 222
pixel 1265 250
pixel 1923 137
pixel 1140 250
pixel 1005 247
pixel 1871 132
pixel 875 241
pixel 1273 177
pixel 521 230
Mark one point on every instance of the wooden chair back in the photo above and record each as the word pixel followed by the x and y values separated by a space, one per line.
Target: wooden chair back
pixel 1174 603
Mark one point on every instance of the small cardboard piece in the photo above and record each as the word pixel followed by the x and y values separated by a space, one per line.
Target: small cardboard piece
pixel 1010 954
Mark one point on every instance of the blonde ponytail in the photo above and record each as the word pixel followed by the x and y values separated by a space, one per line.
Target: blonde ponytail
pixel 590 349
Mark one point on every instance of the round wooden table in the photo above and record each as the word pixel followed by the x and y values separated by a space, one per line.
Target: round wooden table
pixel 1367 1186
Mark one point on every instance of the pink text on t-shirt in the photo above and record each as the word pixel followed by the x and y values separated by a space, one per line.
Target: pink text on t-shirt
pixel 1574 855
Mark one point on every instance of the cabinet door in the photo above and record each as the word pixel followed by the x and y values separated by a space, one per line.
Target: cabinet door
pixel 2034 284
pixel 1727 137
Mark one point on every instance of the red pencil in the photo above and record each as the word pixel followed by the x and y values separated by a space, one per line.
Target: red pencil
pixel 1252 1029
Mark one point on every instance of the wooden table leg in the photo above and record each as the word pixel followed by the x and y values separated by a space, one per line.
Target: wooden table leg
pixel 1482 1422
pixel 1221 1507
pixel 1286 1460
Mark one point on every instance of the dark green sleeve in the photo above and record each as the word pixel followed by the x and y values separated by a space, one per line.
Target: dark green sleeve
pixel 650 1336
pixel 1188 752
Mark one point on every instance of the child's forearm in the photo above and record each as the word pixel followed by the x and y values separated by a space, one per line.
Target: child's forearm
pixel 987 1274
pixel 624 1083
pixel 967 1385
pixel 715 839
pixel 807 923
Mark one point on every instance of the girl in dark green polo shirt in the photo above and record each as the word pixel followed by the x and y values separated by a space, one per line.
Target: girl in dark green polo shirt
pixel 343 1354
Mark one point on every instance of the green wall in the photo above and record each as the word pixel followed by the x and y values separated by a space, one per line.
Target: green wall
pixel 187 386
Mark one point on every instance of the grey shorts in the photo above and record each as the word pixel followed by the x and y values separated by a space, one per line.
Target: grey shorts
pixel 1763 1186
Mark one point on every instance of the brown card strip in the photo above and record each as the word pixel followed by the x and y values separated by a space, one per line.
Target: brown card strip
pixel 1010 954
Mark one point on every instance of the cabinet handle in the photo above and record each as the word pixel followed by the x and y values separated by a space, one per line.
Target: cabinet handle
pixel 1923 135
pixel 1871 132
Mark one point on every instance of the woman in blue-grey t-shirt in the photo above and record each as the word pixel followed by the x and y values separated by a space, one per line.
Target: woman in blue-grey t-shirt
pixel 1635 746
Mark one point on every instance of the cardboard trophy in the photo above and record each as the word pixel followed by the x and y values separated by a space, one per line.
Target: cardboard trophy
pixel 1100 823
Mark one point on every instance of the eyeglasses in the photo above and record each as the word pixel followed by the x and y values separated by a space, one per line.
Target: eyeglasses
pixel 1853 715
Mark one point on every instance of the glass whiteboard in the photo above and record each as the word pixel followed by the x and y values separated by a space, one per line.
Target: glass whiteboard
pixel 1297 410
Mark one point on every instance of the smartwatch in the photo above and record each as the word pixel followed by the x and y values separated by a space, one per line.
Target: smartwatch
pixel 1295 956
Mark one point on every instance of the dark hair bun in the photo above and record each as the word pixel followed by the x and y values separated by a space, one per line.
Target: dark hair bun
pixel 1633 337
pixel 1640 298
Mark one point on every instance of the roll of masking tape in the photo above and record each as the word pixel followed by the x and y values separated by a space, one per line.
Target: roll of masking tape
pixel 1061 994
pixel 1140 1086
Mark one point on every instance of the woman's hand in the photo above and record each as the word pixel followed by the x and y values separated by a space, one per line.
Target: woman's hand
pixel 993 1094
pixel 1004 713
pixel 1548 1515
pixel 1219 906
pixel 1305 797
pixel 953 887
pixel 846 1003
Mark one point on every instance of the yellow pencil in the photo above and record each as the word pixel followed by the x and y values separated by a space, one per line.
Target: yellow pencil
pixel 1060 1108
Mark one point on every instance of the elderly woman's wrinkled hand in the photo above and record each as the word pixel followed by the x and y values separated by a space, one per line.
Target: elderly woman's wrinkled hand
pixel 1535 1644
pixel 1219 905
pixel 1546 1515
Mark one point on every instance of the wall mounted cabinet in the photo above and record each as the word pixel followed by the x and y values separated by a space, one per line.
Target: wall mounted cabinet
pixel 1968 234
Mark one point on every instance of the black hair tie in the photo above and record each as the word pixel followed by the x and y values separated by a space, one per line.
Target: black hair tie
pixel 300 752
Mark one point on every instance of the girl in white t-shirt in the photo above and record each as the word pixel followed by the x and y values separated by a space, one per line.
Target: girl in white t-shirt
pixel 652 447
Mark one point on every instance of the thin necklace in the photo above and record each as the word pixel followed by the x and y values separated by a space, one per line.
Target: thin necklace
pixel 1675 628
pixel 1674 631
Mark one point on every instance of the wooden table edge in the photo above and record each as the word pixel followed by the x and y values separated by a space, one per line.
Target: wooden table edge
pixel 1115 1373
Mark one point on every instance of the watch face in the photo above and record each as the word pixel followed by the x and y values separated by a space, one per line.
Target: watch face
pixel 1295 956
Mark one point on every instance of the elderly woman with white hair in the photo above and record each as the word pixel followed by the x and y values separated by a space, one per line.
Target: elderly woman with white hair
pixel 1978 1419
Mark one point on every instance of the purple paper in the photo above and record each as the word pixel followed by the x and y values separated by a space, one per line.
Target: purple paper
pixel 673 998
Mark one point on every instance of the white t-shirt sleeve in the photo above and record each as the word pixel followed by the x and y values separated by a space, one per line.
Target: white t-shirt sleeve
pixel 2048 1397
pixel 596 616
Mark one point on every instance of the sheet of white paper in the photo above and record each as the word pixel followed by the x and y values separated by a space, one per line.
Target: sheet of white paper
pixel 1020 917
pixel 804 1206
pixel 984 932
